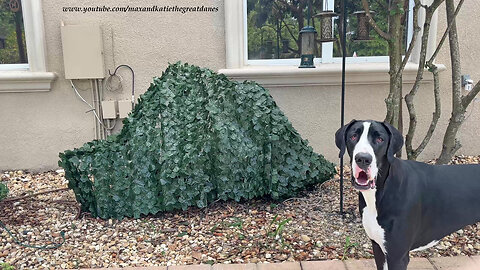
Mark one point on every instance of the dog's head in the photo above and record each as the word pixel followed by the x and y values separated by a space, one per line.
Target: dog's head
pixel 371 145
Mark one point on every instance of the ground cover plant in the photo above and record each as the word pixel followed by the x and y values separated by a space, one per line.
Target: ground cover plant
pixel 194 137
pixel 3 191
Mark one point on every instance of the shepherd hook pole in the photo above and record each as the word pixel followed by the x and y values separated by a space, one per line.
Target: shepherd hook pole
pixel 342 106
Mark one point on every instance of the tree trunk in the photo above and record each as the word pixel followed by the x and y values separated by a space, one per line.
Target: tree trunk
pixel 450 143
pixel 394 99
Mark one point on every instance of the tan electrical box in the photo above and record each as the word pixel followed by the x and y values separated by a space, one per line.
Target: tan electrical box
pixel 109 110
pixel 82 51
pixel 124 108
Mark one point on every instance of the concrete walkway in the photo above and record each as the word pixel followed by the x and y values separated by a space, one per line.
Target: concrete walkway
pixel 440 263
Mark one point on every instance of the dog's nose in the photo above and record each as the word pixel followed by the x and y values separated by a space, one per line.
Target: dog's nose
pixel 363 160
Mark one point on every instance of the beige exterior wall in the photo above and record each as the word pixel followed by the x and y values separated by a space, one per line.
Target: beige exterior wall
pixel 35 127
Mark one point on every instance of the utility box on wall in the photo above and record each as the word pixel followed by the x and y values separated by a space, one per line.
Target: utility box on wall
pixel 82 51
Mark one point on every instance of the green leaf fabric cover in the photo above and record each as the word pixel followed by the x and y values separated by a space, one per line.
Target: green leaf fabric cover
pixel 194 137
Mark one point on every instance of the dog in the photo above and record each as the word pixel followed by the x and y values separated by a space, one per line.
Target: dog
pixel 405 205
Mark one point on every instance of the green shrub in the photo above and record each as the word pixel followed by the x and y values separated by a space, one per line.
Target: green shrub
pixel 3 191
pixel 194 137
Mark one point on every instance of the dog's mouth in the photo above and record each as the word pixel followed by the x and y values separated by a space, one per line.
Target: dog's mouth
pixel 363 181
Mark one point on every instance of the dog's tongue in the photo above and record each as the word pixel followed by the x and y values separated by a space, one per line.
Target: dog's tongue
pixel 362 178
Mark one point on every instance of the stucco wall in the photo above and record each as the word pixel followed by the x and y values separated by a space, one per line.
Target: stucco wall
pixel 36 126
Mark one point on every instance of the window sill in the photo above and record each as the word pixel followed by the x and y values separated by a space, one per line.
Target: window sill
pixel 26 81
pixel 324 74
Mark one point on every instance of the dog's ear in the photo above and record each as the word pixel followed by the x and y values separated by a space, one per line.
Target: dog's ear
pixel 340 138
pixel 396 141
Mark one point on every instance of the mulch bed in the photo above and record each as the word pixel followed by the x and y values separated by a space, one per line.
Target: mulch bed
pixel 307 227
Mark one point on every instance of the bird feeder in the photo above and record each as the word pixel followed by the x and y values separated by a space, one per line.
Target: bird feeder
pixel 15 5
pixel 307 37
pixel 363 26
pixel 326 33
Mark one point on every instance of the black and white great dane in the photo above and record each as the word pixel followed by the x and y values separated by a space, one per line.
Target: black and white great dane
pixel 405 205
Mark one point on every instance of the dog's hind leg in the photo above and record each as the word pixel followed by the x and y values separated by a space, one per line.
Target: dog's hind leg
pixel 379 256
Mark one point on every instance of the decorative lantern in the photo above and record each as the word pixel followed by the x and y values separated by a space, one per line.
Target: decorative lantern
pixel 307 37
pixel 326 33
pixel 2 42
pixel 363 26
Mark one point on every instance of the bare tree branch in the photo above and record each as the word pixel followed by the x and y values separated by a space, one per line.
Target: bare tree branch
pixel 411 95
pixel 386 36
pixel 416 30
pixel 289 6
pixel 450 143
pixel 382 4
pixel 411 153
pixel 471 95
pixel 290 31
pixel 436 114
pixel 442 40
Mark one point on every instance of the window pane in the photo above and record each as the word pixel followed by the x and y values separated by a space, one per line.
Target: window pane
pixel 376 46
pixel 274 25
pixel 13 49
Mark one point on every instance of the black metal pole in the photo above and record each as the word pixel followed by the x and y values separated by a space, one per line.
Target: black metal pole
pixel 342 106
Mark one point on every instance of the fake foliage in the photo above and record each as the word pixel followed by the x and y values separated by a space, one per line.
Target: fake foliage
pixel 193 138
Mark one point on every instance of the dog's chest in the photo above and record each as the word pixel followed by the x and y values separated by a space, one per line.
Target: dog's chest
pixel 369 220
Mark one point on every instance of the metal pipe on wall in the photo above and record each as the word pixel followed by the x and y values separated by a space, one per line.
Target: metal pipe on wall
pixel 95 121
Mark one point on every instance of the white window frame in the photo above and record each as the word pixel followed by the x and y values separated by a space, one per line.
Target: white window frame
pixel 360 70
pixel 327 47
pixel 31 77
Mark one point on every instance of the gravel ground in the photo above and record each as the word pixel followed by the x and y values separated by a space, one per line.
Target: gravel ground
pixel 304 228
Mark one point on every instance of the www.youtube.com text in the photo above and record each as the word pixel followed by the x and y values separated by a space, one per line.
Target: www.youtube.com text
pixel 155 8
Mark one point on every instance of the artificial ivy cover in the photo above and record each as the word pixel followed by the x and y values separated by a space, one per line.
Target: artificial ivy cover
pixel 194 137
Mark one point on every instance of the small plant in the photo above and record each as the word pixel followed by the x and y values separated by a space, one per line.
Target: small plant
pixel 3 191
pixel 238 223
pixel 6 266
pixel 182 234
pixel 215 227
pixel 346 247
pixel 280 226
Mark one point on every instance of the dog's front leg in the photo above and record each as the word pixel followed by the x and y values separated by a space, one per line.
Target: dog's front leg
pixel 397 262
pixel 379 256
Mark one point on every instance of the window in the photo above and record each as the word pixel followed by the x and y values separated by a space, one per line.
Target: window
pixel 273 31
pixel 30 75
pixel 13 48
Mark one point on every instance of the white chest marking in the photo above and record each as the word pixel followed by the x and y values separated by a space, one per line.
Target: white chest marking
pixel 429 245
pixel 369 220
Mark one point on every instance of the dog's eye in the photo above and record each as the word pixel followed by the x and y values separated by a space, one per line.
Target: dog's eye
pixel 353 137
pixel 379 140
